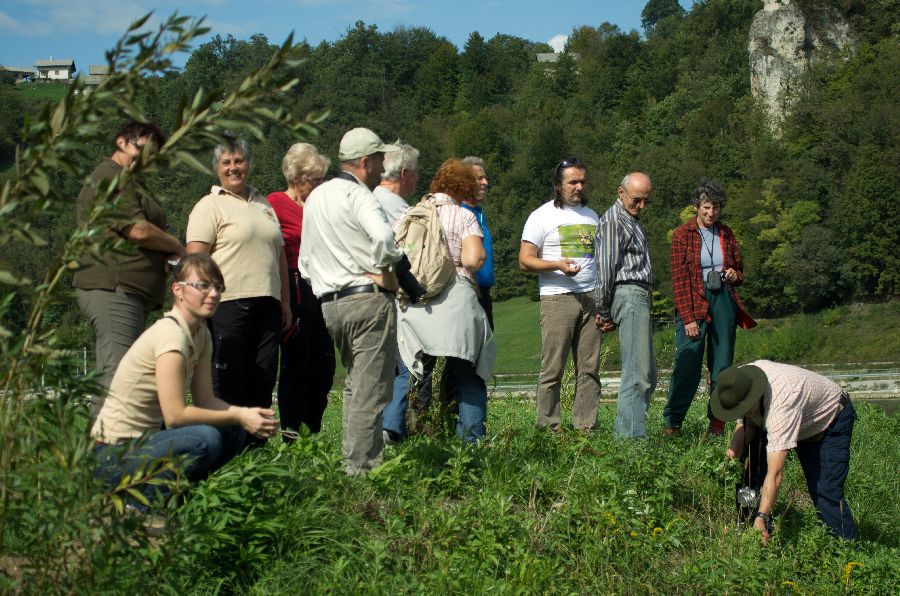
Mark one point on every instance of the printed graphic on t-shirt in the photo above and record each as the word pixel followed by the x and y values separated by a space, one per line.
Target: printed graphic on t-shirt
pixel 576 241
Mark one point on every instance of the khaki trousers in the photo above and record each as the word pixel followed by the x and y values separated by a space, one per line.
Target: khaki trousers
pixel 567 324
pixel 118 319
pixel 364 327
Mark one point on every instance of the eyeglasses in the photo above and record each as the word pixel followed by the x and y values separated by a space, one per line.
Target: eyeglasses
pixel 138 146
pixel 644 200
pixel 203 286
pixel 315 181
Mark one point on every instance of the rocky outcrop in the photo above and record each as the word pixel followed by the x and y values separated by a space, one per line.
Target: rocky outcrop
pixel 785 37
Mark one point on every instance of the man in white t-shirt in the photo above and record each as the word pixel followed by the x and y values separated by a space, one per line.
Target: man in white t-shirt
pixel 558 245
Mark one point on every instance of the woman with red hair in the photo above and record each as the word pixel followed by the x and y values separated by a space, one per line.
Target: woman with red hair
pixel 453 324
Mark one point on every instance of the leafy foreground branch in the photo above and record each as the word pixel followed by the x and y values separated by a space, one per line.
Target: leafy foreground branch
pixel 33 422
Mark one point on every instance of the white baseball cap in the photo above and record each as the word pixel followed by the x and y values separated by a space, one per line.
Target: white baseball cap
pixel 362 141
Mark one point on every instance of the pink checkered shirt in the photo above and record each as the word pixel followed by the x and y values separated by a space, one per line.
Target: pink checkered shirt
pixel 458 223
pixel 798 404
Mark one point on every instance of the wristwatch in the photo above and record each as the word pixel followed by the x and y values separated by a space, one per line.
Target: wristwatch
pixel 767 519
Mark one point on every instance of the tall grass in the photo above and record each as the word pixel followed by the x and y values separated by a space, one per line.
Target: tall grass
pixel 525 512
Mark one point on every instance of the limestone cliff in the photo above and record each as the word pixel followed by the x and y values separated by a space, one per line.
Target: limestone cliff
pixel 785 37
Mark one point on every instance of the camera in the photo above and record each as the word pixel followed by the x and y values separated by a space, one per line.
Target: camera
pixel 715 279
pixel 746 498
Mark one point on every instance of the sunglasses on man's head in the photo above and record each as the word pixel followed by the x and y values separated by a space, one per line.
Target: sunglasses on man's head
pixel 569 162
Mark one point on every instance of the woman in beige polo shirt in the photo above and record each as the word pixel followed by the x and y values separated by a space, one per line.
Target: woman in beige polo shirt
pixel 238 228
pixel 150 386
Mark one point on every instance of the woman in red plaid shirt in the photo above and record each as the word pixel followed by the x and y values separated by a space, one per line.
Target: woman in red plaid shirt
pixel 706 267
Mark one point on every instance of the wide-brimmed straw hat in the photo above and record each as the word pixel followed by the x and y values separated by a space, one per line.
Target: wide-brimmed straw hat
pixel 738 389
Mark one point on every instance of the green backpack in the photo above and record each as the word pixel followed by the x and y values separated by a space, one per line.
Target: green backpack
pixel 420 236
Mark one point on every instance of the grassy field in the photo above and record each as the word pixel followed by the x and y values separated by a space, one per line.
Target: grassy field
pixel 850 334
pixel 40 91
pixel 526 512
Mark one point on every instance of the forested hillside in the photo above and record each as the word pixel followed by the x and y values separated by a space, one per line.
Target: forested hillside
pixel 815 206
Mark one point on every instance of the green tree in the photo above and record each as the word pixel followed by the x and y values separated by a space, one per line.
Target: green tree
pixel 868 218
pixel 655 10
pixel 818 269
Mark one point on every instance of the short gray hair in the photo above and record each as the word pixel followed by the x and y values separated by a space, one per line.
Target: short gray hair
pixel 303 159
pixel 708 191
pixel 232 144
pixel 474 161
pixel 406 158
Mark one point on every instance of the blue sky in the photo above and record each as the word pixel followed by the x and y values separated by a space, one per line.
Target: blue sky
pixel 84 29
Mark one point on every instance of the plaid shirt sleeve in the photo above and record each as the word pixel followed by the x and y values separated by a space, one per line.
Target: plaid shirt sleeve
pixel 732 254
pixel 684 259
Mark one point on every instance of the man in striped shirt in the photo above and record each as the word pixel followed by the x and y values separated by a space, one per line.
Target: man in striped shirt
pixel 624 286
pixel 784 407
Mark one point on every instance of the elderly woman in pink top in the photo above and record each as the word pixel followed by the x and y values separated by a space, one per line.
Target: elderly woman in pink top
pixel 453 324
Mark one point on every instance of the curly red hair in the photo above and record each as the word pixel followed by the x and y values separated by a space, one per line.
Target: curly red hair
pixel 455 178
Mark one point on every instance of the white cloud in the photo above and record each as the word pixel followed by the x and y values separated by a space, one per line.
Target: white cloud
pixel 558 42
pixel 7 22
pixel 86 16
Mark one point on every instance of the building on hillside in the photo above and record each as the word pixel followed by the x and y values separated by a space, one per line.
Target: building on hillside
pixel 54 70
pixel 549 58
pixel 18 74
pixel 96 75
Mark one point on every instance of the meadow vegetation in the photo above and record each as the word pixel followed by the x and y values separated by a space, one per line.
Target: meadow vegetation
pixel 524 512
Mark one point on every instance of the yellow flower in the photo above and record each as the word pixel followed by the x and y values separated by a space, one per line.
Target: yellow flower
pixel 611 518
pixel 657 531
pixel 633 534
pixel 848 569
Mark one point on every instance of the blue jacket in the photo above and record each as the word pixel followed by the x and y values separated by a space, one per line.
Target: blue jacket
pixel 485 275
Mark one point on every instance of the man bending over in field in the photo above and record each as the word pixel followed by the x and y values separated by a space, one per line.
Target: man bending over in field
pixel 783 407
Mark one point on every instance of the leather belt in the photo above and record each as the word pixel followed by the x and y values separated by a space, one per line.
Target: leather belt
pixel 370 289
pixel 635 282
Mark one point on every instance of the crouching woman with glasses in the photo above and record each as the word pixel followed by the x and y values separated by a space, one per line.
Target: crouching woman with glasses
pixel 146 416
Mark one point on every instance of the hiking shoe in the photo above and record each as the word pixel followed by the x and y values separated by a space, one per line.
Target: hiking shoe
pixel 716 427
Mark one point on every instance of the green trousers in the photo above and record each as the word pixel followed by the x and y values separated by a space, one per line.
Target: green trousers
pixel 717 337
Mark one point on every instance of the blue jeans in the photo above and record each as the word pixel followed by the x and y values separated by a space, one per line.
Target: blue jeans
pixel 395 412
pixel 200 448
pixel 631 308
pixel 472 396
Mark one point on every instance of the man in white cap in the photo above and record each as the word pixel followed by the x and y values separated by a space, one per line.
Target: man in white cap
pixel 784 407
pixel 347 254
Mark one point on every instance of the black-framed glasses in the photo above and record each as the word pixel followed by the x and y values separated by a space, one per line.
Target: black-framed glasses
pixel 138 146
pixel 204 286
pixel 644 200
